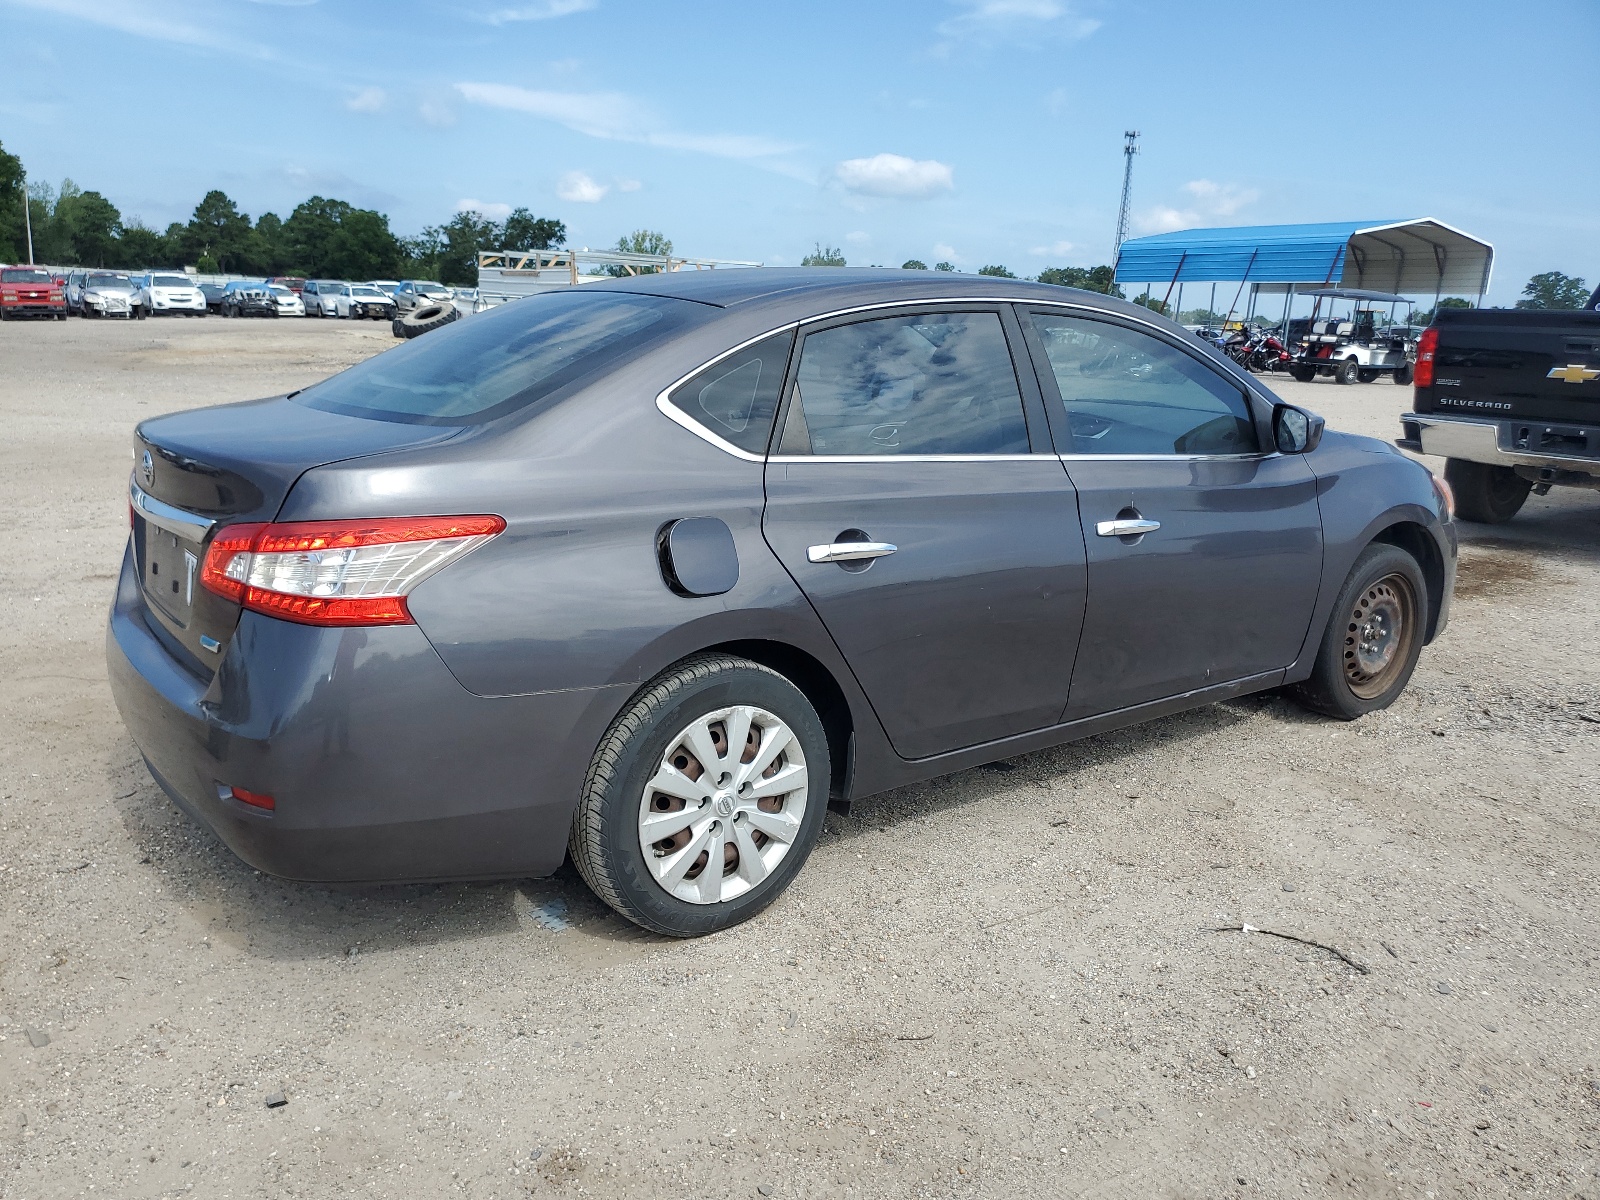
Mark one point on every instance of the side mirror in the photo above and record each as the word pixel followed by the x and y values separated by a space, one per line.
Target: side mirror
pixel 1295 430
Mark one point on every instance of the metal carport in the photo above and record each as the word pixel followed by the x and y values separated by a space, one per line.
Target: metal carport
pixel 1417 257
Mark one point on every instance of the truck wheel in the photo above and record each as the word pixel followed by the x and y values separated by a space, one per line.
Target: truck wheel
pixel 1366 376
pixel 1347 372
pixel 1402 375
pixel 704 798
pixel 1484 492
pixel 1373 638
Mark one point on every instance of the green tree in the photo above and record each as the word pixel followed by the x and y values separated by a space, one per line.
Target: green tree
pixel 269 249
pixel 640 241
pixel 824 256
pixel 1552 289
pixel 1201 316
pixel 50 243
pixel 996 271
pixel 944 266
pixel 91 226
pixel 13 239
pixel 1088 279
pixel 1425 316
pixel 218 229
pixel 1152 304
pixel 913 264
pixel 524 231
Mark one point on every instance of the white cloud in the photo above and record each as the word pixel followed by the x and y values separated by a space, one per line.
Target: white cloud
pixel 495 211
pixel 368 100
pixel 859 237
pixel 1052 248
pixel 1208 203
pixel 145 20
pixel 894 175
pixel 1010 20
pixel 545 10
pixel 945 253
pixel 616 117
pixel 577 188
pixel 628 185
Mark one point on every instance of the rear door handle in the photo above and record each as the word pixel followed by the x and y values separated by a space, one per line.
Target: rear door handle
pixel 848 551
pixel 1127 527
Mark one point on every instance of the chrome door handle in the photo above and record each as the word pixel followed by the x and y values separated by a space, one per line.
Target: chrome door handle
pixel 1126 527
pixel 848 551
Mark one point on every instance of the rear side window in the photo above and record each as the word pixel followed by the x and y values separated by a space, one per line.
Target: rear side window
pixel 485 366
pixel 934 383
pixel 737 397
pixel 1126 392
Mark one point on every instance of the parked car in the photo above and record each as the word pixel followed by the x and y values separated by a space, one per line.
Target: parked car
pixel 248 298
pixel 213 294
pixel 168 292
pixel 361 300
pixel 472 604
pixel 111 294
pixel 386 286
pixel 74 291
pixel 289 304
pixel 1511 399
pixel 294 283
pixel 413 292
pixel 31 292
pixel 318 295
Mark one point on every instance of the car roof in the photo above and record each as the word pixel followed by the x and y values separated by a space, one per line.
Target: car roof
pixel 801 291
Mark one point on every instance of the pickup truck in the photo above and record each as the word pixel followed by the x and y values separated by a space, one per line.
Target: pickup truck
pixel 31 292
pixel 1510 399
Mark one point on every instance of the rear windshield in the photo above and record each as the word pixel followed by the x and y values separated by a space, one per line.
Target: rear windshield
pixel 485 366
pixel 17 275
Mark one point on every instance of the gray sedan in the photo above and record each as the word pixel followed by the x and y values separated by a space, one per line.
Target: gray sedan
pixel 652 571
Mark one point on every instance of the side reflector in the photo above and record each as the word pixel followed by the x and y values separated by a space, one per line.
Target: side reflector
pixel 254 799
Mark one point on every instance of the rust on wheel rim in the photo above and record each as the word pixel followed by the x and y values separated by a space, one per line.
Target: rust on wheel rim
pixel 1378 635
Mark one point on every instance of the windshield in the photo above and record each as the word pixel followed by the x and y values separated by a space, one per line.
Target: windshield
pixel 366 291
pixel 423 286
pixel 18 275
pixel 279 290
pixel 111 281
pixel 171 281
pixel 488 365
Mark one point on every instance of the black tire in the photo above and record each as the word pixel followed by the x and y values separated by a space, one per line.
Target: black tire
pixel 427 317
pixel 1303 374
pixel 1488 494
pixel 605 839
pixel 1367 376
pixel 1384 579
pixel 140 313
pixel 397 327
pixel 1347 371
pixel 1402 375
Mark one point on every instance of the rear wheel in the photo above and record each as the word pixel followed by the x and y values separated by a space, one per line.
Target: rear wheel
pixel 1373 639
pixel 1484 492
pixel 1366 376
pixel 1402 374
pixel 1347 372
pixel 704 799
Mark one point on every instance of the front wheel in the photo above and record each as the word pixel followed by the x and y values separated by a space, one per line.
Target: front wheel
pixel 1485 492
pixel 1373 639
pixel 704 799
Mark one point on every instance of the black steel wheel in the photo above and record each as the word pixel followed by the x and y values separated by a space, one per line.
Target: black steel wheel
pixel 1373 639
pixel 1488 494
pixel 704 799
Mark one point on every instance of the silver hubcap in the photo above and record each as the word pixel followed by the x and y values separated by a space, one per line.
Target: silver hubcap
pixel 724 806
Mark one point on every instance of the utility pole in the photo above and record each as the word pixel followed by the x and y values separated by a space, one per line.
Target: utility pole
pixel 27 217
pixel 1130 147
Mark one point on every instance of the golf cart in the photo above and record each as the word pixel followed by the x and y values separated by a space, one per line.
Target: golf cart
pixel 1354 348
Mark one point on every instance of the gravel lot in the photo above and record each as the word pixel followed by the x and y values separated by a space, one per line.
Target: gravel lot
pixel 1007 983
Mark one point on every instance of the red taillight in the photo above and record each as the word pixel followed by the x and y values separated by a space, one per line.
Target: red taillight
pixel 337 572
pixel 254 799
pixel 1427 348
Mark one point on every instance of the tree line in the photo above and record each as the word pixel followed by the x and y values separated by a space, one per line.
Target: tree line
pixel 321 238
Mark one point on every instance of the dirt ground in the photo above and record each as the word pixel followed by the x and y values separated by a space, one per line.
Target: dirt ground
pixel 1006 983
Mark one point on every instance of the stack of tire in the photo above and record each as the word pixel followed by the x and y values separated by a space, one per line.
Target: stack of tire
pixel 423 318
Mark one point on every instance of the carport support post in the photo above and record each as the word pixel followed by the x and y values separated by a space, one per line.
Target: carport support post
pixel 1288 303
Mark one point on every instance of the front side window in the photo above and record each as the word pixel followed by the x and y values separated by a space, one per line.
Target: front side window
pixel 933 383
pixel 737 397
pixel 505 359
pixel 1126 392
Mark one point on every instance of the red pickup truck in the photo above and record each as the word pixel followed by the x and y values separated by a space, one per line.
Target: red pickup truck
pixel 31 292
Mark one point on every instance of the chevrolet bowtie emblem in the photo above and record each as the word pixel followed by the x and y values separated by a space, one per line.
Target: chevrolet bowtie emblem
pixel 1573 373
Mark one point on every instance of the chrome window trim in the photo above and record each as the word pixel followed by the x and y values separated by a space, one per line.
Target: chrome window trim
pixel 1173 457
pixel 682 419
pixel 164 516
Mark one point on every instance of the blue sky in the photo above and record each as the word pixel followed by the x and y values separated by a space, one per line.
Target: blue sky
pixel 982 131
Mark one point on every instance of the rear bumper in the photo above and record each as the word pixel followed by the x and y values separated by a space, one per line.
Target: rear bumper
pixel 1506 442
pixel 382 766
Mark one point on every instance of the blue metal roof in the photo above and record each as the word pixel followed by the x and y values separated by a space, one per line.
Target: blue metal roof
pixel 1253 253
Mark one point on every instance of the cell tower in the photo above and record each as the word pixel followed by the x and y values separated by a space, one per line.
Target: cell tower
pixel 1130 147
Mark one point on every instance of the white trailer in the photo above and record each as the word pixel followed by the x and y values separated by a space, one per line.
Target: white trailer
pixel 511 274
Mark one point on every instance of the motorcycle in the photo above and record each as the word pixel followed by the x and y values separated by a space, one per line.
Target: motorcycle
pixel 1257 351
